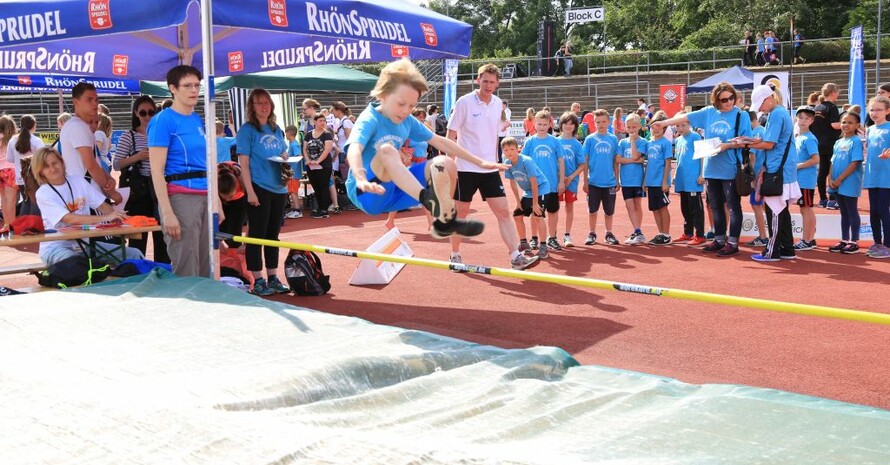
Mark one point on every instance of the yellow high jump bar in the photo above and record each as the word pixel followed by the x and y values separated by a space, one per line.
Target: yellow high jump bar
pixel 762 304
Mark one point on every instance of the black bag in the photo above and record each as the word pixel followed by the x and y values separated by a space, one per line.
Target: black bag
pixel 140 186
pixel 773 184
pixel 305 274
pixel 72 271
pixel 744 174
pixel 441 125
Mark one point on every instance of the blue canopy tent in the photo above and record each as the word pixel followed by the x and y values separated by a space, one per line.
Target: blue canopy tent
pixel 739 77
pixel 12 83
pixel 142 40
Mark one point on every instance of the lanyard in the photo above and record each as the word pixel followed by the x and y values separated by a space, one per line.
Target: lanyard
pixel 68 205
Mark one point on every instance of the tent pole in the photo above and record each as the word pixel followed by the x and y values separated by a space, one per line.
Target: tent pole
pixel 210 131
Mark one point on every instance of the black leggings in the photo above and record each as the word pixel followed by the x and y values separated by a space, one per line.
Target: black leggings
pixel 264 222
pixel 824 166
pixel 321 181
pixel 234 212
pixel 693 214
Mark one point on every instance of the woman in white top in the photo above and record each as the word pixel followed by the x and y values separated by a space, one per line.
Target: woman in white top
pixel 8 188
pixel 22 146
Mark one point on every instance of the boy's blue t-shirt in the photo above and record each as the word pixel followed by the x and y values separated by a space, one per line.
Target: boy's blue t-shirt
pixel 372 130
pixel 632 173
pixel 574 157
pixel 546 152
pixel 183 137
pixel 759 154
pixel 660 150
pixel 294 149
pixel 806 145
pixel 523 171
pixel 224 149
pixel 779 130
pixel 877 170
pixel 688 170
pixel 721 125
pixel 847 150
pixel 600 151
pixel 259 145
pixel 760 45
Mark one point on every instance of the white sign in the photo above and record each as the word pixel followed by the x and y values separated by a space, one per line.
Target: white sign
pixel 585 15
pixel 778 80
pixel 828 227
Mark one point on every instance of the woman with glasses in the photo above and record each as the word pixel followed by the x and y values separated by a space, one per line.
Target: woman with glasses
pixel 131 159
pixel 725 121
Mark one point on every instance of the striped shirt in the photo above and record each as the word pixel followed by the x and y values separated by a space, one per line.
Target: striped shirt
pixel 125 149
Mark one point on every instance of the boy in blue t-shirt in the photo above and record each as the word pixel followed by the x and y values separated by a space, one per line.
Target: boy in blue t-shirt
pixel 223 144
pixel 689 183
pixel 632 150
pixel 601 172
pixel 378 182
pixel 807 168
pixel 529 186
pixel 574 164
pixel 547 153
pixel 293 185
pixel 658 179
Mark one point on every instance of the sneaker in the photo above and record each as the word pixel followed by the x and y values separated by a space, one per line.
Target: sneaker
pixel 543 252
pixel 553 244
pixel 523 246
pixel 334 210
pixel 636 239
pixel 874 248
pixel 683 238
pixel 832 205
pixel 457 260
pixel 787 254
pixel 460 227
pixel 851 248
pixel 839 247
pixel 567 241
pixel 823 203
pixel 261 289
pixel 440 206
pixel 350 208
pixel 728 250
pixel 713 247
pixel 318 214
pixel 804 245
pixel 522 262
pixel 882 253
pixel 611 239
pixel 276 286
pixel 710 235
pixel 764 258
pixel 660 239
pixel 534 243
pixel 293 214
pixel 591 239
pixel 757 242
pixel 697 241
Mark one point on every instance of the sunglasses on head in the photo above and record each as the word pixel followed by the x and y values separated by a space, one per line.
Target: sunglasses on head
pixel 144 113
pixel 731 98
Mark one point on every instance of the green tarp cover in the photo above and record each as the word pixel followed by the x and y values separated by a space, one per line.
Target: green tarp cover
pixel 322 78
pixel 163 370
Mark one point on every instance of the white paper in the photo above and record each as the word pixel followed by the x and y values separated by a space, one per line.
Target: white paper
pixel 706 148
pixel 282 160
pixel 125 195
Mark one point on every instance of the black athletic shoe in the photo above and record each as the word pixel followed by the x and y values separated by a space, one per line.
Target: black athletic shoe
pixel 466 228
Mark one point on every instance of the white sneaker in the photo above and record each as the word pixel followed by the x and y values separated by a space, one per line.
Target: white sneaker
pixel 636 239
pixel 567 241
pixel 522 262
pixel 293 214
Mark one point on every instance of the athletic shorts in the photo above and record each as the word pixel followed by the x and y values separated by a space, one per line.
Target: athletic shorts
pixel 393 200
pixel 568 197
pixel 551 202
pixel 601 195
pixel 806 197
pixel 525 207
pixel 632 192
pixel 468 182
pixel 658 198
pixel 293 186
pixel 753 199
pixel 7 178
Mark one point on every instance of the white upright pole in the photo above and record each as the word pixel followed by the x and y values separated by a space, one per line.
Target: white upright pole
pixel 210 130
pixel 878 52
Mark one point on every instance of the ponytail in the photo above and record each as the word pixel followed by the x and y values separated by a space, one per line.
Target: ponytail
pixel 23 145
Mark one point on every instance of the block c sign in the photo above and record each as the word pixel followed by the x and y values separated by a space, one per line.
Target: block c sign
pixel 585 15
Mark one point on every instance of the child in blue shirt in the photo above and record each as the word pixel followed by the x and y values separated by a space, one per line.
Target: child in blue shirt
pixel 660 154
pixel 689 183
pixel 223 144
pixel 845 181
pixel 547 153
pixel 378 182
pixel 632 149
pixel 877 177
pixel 807 168
pixel 527 179
pixel 601 150
pixel 294 149
pixel 574 162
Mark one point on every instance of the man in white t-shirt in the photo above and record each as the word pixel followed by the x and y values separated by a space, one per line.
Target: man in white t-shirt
pixel 475 125
pixel 78 141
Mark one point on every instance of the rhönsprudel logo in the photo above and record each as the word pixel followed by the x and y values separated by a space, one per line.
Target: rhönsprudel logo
pixel 100 14
pixel 24 80
pixel 236 62
pixel 670 96
pixel 278 12
pixel 120 65
pixel 429 35
pixel 399 51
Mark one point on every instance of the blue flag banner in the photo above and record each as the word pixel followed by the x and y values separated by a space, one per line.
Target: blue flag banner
pixel 856 88
pixel 450 94
pixel 28 83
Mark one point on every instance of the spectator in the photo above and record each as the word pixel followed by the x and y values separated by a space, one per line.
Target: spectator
pixel 178 161
pixel 797 45
pixel 750 47
pixel 813 98
pixel 759 60
pixel 317 147
pixel 506 114
pixel 8 186
pixel 294 149
pixel 343 128
pixel 21 146
pixel 567 60
pixel 310 108
pixel 224 144
pixel 102 109
pixel 265 183
pixel 60 121
pixel 529 122
pixel 827 129
pixel 618 126
pixel 103 142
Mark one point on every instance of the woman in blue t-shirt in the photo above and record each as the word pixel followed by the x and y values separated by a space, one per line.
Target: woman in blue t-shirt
pixel 266 187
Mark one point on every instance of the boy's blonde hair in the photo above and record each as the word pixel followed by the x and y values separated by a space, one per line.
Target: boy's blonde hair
pixel 489 68
pixel 220 127
pixel 509 141
pixel 600 112
pixel 633 118
pixel 397 73
pixel 543 114
pixel 291 130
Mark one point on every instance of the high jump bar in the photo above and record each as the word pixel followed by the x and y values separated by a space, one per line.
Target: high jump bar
pixel 749 302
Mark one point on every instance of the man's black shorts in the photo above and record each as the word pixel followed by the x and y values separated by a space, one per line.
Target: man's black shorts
pixel 468 182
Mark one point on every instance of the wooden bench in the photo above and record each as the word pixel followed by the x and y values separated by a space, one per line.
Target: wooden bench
pixel 23 268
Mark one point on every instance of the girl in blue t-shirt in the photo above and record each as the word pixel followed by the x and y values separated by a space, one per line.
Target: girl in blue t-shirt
pixel 574 165
pixel 845 181
pixel 877 176
pixel 689 183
